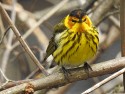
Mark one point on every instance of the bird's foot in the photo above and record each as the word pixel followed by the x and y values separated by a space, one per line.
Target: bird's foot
pixel 87 68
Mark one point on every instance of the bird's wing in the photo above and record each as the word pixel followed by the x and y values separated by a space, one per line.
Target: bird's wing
pixel 52 44
pixel 50 49
pixel 59 28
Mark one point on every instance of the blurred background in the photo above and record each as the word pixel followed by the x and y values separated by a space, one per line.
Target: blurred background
pixel 35 20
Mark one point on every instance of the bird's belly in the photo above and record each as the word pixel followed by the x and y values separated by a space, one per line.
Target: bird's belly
pixel 74 53
pixel 79 57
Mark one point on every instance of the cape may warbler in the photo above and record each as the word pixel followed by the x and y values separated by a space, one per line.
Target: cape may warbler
pixel 75 40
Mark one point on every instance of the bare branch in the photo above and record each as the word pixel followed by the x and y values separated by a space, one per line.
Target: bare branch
pixel 4 34
pixel 57 79
pixel 13 83
pixel 4 75
pixel 32 73
pixel 115 21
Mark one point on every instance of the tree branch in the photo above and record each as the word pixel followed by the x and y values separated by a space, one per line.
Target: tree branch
pixel 57 79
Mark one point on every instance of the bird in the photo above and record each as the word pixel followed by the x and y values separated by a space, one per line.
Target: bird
pixel 75 41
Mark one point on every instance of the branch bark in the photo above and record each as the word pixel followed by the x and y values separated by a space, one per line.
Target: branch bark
pixel 57 79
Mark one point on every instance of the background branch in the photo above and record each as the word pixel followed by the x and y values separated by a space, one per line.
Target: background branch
pixel 10 38
pixel 102 9
pixel 42 19
pixel 122 28
pixel 21 40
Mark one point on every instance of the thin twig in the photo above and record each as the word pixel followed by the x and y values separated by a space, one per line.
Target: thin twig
pixel 115 21
pixel 99 90
pixel 2 29
pixel 32 73
pixel 4 34
pixel 21 40
pixel 58 79
pixel 4 75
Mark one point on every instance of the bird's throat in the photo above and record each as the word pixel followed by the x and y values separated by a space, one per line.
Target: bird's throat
pixel 80 27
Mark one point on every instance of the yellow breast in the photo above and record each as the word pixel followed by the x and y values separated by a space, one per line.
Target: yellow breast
pixel 74 48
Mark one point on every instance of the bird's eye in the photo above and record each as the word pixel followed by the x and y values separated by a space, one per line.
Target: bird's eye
pixel 74 21
pixel 84 20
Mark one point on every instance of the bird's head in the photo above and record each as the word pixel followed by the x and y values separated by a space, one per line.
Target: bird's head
pixel 77 19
